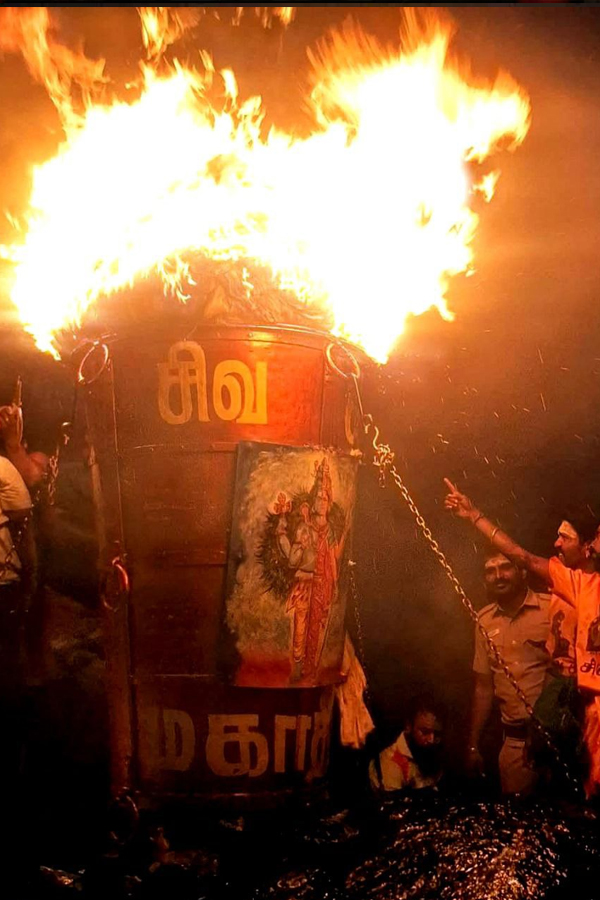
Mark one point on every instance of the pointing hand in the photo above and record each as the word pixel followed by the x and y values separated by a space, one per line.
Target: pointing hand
pixel 458 503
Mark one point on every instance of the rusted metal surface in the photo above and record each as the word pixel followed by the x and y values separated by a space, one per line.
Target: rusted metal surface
pixel 166 416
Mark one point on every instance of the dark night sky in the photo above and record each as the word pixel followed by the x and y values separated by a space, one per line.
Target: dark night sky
pixel 505 398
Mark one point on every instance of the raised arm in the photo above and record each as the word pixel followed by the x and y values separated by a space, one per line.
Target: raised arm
pixel 31 467
pixel 463 508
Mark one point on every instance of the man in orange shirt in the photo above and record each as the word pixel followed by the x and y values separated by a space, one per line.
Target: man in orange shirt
pixel 575 583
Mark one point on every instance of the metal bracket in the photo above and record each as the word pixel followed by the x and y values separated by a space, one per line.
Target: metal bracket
pixel 124 586
pixel 96 346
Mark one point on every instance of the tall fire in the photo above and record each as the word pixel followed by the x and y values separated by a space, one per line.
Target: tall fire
pixel 366 219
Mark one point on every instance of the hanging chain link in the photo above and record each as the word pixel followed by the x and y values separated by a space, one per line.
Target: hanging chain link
pixel 51 479
pixel 64 436
pixel 383 460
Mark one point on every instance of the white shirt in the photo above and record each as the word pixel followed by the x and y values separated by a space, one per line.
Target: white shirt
pixel 13 496
pixel 399 769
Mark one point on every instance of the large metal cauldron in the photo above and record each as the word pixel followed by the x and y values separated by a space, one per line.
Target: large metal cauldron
pixel 166 415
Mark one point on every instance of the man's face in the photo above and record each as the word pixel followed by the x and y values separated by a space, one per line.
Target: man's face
pixel 569 548
pixel 503 580
pixel 595 544
pixel 425 731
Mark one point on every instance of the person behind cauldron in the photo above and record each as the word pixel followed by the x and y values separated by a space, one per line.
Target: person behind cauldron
pixel 574 579
pixel 413 761
pixel 32 467
pixel 15 506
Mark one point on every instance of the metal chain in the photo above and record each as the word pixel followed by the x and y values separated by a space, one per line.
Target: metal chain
pixel 384 462
pixel 51 478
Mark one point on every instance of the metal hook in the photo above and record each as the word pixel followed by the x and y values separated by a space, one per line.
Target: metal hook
pixel 375 436
pixel 65 432
pixel 116 565
pixel 81 379
pixel 354 373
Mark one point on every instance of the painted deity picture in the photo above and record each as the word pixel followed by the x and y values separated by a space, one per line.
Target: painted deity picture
pixel 287 581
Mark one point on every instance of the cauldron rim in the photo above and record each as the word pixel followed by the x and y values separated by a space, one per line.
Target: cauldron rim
pixel 258 333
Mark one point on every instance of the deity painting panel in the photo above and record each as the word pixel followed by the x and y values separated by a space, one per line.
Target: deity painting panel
pixel 288 565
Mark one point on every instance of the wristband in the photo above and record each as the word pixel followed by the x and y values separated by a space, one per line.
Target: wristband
pixel 477 518
pixel 494 532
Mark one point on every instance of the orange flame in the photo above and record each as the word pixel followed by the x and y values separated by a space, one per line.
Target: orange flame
pixel 368 217
pixel 266 14
pixel 163 26
pixel 28 30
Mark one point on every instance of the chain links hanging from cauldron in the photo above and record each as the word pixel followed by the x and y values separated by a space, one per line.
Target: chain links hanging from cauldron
pixel 383 460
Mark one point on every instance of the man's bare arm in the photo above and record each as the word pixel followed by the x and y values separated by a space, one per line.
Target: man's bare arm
pixel 462 507
pixel 483 698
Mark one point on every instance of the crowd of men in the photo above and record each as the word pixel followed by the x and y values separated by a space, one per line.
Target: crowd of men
pixel 537 654
pixel 20 474
pixel 550 644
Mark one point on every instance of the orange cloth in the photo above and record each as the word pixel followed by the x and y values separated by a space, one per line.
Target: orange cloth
pixel 563 630
pixel 582 589
pixel 591 737
pixel 355 719
pixel 299 603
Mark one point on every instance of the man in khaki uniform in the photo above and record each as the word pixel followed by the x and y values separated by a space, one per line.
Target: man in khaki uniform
pixel 517 621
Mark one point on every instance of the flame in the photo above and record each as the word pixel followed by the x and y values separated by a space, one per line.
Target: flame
pixel 161 27
pixel 368 217
pixel 487 185
pixel 60 70
pixel 266 14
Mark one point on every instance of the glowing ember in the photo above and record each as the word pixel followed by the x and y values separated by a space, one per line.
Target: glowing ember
pixel 368 217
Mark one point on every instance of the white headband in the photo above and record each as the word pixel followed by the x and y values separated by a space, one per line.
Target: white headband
pixel 567 530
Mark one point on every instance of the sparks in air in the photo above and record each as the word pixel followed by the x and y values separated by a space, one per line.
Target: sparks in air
pixel 368 217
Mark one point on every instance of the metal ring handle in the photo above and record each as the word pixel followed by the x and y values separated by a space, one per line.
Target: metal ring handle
pixel 355 373
pixel 81 379
pixel 124 807
pixel 116 565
